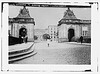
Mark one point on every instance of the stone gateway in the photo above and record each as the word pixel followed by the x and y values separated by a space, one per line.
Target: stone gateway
pixel 70 28
pixel 22 25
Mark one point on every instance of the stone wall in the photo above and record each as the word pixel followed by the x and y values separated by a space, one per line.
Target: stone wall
pixel 28 26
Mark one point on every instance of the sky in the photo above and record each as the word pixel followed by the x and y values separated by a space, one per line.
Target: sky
pixel 44 16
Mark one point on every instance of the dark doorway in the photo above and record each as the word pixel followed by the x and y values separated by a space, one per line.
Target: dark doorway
pixel 70 34
pixel 23 32
pixel 22 35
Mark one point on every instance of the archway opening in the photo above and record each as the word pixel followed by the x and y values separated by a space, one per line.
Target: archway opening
pixel 22 32
pixel 70 34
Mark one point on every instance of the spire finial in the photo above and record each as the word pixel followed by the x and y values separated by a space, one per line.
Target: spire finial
pixel 68 8
pixel 24 6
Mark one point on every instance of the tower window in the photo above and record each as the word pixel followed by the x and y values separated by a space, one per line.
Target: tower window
pixel 85 33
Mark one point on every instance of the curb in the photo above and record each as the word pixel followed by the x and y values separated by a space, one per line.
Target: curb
pixel 20 51
pixel 79 43
pixel 22 57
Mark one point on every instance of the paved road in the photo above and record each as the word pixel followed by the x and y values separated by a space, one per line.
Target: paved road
pixel 59 53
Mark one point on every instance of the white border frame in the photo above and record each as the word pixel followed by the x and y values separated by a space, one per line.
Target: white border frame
pixel 48 68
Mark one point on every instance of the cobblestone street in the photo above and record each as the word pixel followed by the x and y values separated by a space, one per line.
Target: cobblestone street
pixel 59 53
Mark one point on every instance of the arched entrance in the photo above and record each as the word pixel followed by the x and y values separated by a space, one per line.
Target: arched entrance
pixel 70 34
pixel 22 35
pixel 22 32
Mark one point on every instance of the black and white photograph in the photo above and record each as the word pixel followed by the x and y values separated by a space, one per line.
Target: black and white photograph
pixel 49 35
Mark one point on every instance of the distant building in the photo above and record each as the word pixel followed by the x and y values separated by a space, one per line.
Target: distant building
pixel 23 24
pixel 52 30
pixel 70 27
pixel 39 33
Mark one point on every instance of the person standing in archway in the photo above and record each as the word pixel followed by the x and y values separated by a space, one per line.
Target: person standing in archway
pixel 81 39
pixel 26 38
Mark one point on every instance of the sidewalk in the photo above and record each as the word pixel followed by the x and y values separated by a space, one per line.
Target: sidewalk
pixel 21 51
pixel 79 43
pixel 19 47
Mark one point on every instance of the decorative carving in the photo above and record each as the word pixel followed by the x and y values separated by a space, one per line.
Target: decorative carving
pixel 23 26
pixel 68 14
pixel 23 17
pixel 24 13
pixel 70 18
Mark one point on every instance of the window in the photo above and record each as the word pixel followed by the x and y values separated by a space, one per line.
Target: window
pixel 85 30
pixel 85 33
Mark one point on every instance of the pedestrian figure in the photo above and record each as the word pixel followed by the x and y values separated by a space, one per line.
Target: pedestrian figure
pixel 26 39
pixel 81 39
pixel 48 42
pixel 20 39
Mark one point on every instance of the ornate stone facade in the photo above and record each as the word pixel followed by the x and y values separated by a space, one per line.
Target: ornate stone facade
pixel 23 22
pixel 52 30
pixel 70 27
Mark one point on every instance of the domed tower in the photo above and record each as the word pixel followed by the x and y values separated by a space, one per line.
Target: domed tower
pixel 71 28
pixel 68 17
pixel 24 13
pixel 68 14
pixel 23 25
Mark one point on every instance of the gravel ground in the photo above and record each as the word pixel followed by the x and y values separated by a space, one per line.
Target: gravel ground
pixel 59 53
